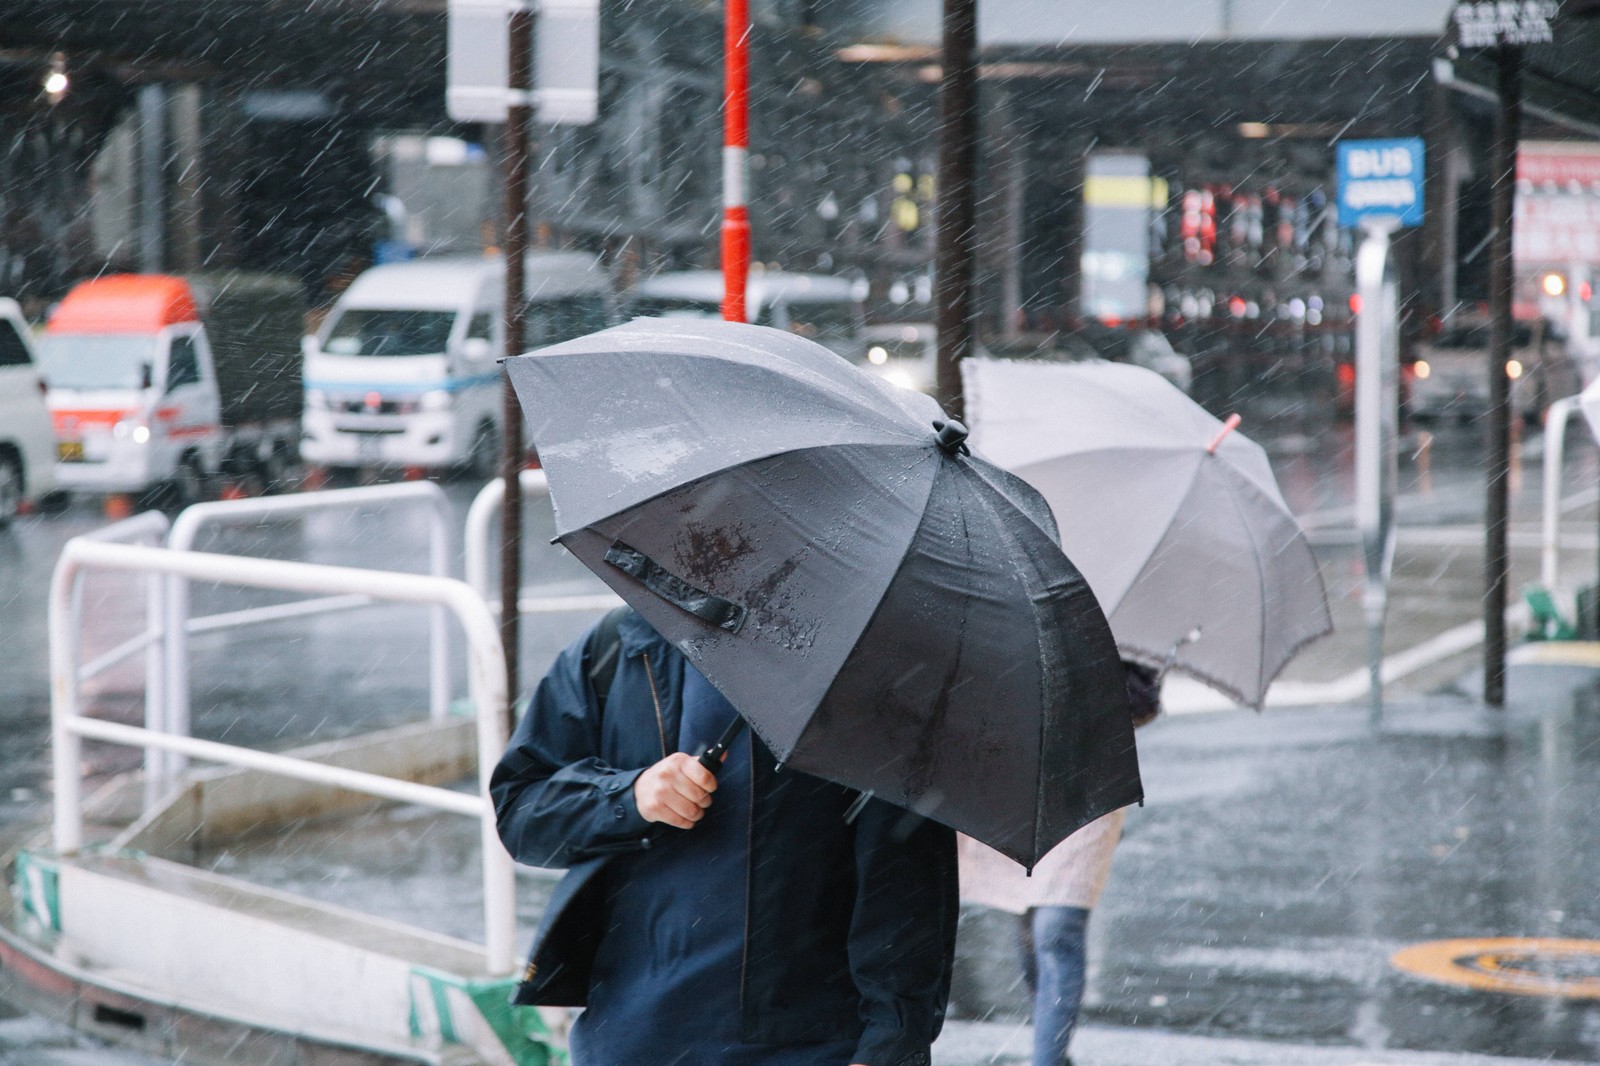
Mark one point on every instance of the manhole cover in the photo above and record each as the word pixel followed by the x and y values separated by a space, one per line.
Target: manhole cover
pixel 1522 966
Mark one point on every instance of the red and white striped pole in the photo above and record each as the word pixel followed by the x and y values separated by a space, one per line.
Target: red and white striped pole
pixel 735 156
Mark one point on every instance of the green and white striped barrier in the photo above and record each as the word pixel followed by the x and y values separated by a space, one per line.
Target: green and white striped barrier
pixel 480 1015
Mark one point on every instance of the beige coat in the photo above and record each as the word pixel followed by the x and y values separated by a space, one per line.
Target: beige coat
pixel 1072 874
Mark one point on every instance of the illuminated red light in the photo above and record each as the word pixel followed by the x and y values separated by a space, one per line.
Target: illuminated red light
pixel 1355 303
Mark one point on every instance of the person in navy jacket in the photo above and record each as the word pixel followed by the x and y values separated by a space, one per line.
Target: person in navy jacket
pixel 751 917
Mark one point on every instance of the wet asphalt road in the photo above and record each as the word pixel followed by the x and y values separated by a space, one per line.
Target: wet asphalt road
pixel 1280 861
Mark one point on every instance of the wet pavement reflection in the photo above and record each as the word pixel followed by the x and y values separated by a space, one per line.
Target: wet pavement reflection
pixel 1283 859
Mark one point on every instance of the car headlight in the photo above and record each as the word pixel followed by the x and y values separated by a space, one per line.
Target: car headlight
pixel 436 400
pixel 133 428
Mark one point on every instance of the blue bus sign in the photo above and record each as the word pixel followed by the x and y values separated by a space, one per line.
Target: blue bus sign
pixel 1381 180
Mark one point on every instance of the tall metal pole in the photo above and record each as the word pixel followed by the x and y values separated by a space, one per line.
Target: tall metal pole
pixel 152 179
pixel 735 154
pixel 1377 407
pixel 955 251
pixel 1503 172
pixel 518 131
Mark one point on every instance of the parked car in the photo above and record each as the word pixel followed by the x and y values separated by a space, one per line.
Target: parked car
pixel 404 371
pixel 820 307
pixel 27 443
pixel 1450 375
pixel 160 384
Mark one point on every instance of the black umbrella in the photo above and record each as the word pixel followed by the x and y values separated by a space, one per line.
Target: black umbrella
pixel 886 610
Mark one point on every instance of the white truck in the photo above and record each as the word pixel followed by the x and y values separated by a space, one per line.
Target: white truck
pixel 404 371
pixel 27 448
pixel 159 385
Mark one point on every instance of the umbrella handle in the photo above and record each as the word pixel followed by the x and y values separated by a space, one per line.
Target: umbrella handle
pixel 711 758
pixel 1227 427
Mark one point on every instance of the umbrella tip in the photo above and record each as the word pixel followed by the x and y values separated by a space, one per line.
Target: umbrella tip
pixel 1227 427
pixel 952 437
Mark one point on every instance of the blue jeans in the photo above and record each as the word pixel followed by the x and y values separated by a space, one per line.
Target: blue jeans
pixel 1054 959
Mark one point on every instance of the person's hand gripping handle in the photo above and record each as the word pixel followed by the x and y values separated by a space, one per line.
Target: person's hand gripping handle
pixel 677 790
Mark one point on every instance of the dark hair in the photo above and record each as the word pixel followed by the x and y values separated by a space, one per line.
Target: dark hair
pixel 1144 692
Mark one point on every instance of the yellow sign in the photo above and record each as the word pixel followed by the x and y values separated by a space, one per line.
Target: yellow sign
pixel 1531 966
pixel 1115 190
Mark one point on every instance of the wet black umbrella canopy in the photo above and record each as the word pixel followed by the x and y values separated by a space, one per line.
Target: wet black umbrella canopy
pixel 885 609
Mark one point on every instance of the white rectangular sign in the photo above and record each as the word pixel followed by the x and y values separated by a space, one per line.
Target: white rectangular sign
pixel 566 68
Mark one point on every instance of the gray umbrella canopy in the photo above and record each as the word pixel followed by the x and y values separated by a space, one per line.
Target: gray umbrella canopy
pixel 1193 553
pixel 884 610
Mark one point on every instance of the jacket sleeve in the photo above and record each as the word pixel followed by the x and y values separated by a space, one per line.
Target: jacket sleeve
pixel 902 933
pixel 556 802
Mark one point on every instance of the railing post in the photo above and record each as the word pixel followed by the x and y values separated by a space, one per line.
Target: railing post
pixel 66 750
pixel 1555 437
pixel 171 764
pixel 480 519
pixel 438 624
pixel 155 688
pixel 486 680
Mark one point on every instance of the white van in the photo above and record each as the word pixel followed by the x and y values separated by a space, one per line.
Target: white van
pixel 404 370
pixel 824 308
pixel 27 442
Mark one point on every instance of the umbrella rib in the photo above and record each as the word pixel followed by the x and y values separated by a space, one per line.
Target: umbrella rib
pixel 1262 680
pixel 1157 658
pixel 1156 542
pixel 928 455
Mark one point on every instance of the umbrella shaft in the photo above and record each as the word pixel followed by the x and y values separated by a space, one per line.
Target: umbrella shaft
pixel 711 758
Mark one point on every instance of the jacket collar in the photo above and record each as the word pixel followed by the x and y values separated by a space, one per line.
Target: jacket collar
pixel 637 635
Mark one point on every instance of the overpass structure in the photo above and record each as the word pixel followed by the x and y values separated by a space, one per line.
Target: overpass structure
pixel 243 130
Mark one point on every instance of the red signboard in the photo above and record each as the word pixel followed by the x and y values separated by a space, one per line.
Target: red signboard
pixel 1557 205
pixel 1559 164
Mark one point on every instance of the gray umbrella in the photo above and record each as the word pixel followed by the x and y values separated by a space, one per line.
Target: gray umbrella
pixel 884 609
pixel 1177 522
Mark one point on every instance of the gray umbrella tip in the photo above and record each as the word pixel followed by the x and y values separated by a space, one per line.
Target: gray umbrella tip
pixel 952 437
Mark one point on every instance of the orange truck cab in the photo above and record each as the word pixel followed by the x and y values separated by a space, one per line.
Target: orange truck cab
pixel 135 394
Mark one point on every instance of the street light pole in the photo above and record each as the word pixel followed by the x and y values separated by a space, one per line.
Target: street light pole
pixel 735 156
pixel 519 128
pixel 1503 173
pixel 956 240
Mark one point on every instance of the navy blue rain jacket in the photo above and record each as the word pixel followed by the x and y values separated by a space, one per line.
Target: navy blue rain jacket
pixel 851 929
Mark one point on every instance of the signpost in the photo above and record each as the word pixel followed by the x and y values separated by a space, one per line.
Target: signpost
pixel 566 67
pixel 1380 189
pixel 495 73
pixel 1504 28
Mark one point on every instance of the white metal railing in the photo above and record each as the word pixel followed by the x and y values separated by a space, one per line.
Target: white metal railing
pixel 486 685
pixel 179 626
pixel 486 507
pixel 149 528
pixel 1555 439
